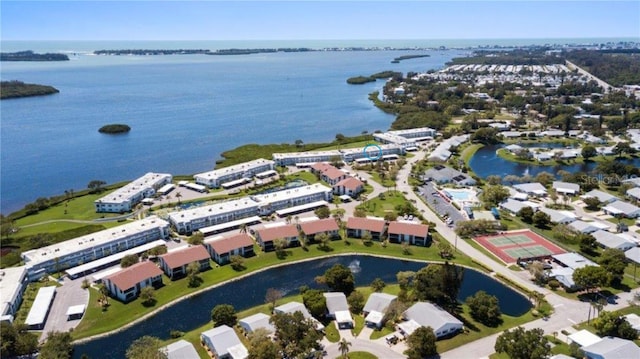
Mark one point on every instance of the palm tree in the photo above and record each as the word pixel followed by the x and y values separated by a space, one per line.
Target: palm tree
pixel 243 228
pixel 343 346
pixel 178 196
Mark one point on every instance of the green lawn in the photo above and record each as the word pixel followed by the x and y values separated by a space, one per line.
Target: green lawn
pixel 380 207
pixel 359 323
pixel 345 146
pixel 361 355
pixel 469 151
pixel 331 332
pixel 375 176
pixel 118 314
pixel 383 332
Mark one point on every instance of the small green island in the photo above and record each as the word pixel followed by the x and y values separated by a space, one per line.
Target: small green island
pixel 32 56
pixel 407 57
pixel 360 80
pixel 114 128
pixel 17 89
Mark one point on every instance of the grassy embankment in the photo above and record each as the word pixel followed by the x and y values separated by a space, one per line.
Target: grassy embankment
pixel 253 151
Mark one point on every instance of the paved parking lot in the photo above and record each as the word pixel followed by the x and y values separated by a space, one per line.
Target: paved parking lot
pixel 69 294
pixel 439 204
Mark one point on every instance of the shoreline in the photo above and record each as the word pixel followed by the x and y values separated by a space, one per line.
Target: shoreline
pixel 257 271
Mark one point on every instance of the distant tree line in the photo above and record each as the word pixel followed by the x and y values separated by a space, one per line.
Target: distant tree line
pixel 31 56
pixel 617 69
pixel 514 57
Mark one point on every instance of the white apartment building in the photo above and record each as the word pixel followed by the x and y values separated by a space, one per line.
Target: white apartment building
pixel 292 197
pixel 94 246
pixel 192 219
pixel 294 158
pixel 123 199
pixel 215 178
pixel 372 152
pixel 13 282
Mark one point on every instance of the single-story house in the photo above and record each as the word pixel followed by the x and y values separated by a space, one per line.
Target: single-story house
pixel 376 307
pixel 635 181
pixel 518 196
pixel 514 148
pixel 633 254
pixel 223 342
pixel 584 338
pixel 531 189
pixel 222 248
pixel 567 154
pixel 292 307
pixel 612 348
pixel 414 233
pixel 573 260
pixel 605 151
pixel 265 236
pixel 127 283
pixel 443 174
pixel 561 217
pixel 356 226
pixel 552 133
pixel 425 314
pixel 564 275
pixel 181 349
pixel 350 186
pixel 513 206
pixel 253 322
pixel 622 209
pixel 338 308
pixel 588 227
pixel 634 193
pixel 611 240
pixel 634 320
pixel 326 225
pixel 603 197
pixel 543 156
pixel 566 187
pixel 175 263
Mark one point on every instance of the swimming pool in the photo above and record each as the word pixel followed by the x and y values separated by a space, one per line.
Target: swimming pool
pixel 460 194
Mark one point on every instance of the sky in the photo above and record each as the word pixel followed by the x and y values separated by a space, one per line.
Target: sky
pixel 310 20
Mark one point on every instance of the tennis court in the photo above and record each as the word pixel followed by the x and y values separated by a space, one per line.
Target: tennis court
pixel 523 244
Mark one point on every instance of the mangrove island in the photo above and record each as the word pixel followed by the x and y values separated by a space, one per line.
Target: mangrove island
pixel 114 128
pixel 17 89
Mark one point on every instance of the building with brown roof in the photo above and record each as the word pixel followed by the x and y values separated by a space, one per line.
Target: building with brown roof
pixel 222 248
pixel 357 226
pixel 327 225
pixel 175 263
pixel 265 236
pixel 328 173
pixel 127 283
pixel 413 233
pixel 350 186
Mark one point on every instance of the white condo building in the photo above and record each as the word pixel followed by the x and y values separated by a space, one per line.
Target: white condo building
pixel 192 219
pixel 123 199
pixel 406 138
pixel 94 246
pixel 346 155
pixel 215 178
pixel 13 282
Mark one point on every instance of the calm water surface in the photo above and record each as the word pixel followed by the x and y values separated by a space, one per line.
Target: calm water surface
pixel 195 312
pixel 184 111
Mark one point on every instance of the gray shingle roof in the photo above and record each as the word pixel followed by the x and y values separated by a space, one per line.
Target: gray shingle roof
pixel 253 322
pixel 222 338
pixel 181 349
pixel 613 348
pixel 336 302
pixel 429 315
pixel 378 302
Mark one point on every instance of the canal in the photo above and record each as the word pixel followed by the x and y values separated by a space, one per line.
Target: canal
pixel 196 311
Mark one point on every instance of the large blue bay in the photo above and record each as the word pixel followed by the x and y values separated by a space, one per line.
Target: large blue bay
pixel 184 111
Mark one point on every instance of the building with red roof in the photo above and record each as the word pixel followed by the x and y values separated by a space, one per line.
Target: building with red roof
pixel 414 233
pixel 265 236
pixel 328 173
pixel 127 283
pixel 327 225
pixel 357 226
pixel 350 186
pixel 222 248
pixel 175 263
